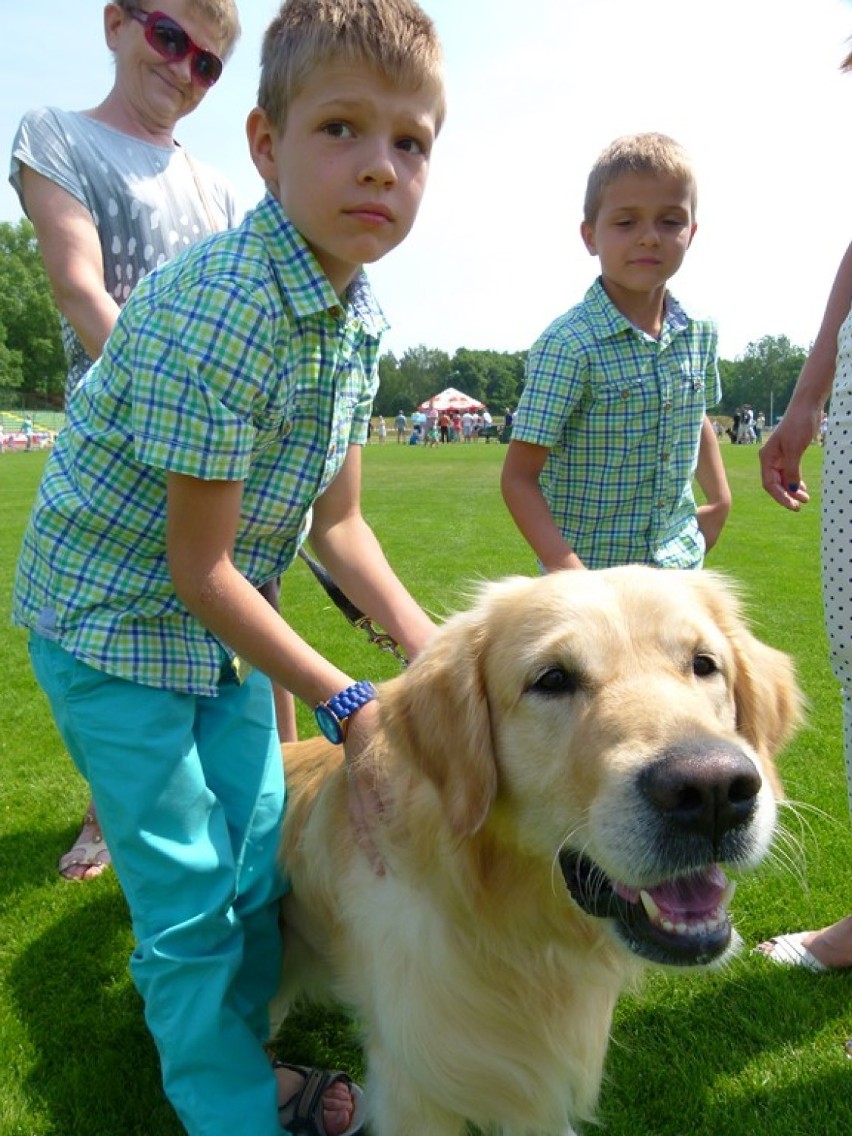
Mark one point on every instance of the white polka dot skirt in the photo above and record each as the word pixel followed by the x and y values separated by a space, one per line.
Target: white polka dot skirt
pixel 836 533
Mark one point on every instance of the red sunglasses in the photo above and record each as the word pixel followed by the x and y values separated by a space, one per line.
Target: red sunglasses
pixel 168 39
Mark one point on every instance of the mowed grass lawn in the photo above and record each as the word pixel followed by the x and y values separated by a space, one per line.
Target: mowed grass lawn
pixel 752 1051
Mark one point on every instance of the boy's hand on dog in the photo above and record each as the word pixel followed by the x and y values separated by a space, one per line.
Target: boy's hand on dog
pixel 369 789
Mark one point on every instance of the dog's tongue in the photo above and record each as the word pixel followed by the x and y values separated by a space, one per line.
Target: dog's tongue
pixel 686 895
pixel 692 893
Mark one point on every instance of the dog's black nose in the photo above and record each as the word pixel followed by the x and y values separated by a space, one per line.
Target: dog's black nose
pixel 705 790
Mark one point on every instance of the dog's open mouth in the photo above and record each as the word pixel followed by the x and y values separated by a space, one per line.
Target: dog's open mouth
pixel 682 922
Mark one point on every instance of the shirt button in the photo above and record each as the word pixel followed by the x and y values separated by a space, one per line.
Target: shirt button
pixel 667 406
pixel 665 457
pixel 625 394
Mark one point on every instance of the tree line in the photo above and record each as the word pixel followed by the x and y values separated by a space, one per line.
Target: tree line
pixel 32 364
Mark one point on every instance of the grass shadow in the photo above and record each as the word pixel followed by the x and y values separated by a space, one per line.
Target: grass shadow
pixel 735 1081
pixel 95 1070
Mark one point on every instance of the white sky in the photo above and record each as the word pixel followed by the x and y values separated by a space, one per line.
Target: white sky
pixel 536 89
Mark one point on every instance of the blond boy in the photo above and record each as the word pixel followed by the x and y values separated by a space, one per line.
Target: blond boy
pixel 233 398
pixel 612 424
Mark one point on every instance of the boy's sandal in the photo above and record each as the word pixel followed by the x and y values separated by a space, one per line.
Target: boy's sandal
pixel 301 1115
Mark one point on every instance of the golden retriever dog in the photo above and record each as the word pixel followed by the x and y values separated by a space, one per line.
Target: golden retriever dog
pixel 573 765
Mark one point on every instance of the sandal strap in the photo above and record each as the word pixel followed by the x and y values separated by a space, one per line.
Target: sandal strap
pixel 306 1102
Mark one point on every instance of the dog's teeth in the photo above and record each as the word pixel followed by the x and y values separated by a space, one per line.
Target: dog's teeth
pixel 651 909
pixel 728 893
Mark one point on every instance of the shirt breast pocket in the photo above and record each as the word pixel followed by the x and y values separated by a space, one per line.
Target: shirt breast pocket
pixel 622 410
pixel 275 429
pixel 689 386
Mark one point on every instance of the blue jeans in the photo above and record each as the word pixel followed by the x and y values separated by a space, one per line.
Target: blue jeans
pixel 190 795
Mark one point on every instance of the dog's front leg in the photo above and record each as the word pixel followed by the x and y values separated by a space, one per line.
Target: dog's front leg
pixel 398 1106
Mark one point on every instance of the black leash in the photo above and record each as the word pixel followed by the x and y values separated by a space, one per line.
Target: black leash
pixel 354 615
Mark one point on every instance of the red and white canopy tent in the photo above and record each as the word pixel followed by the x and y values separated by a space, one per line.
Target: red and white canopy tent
pixel 452 399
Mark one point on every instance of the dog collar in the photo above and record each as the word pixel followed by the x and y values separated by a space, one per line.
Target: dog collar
pixel 333 716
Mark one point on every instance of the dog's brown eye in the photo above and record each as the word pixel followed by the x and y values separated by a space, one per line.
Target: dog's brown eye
pixel 555 680
pixel 703 666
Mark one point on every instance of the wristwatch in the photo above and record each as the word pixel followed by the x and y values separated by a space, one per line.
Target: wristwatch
pixel 332 716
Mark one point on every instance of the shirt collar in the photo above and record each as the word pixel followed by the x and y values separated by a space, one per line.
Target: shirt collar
pixel 607 321
pixel 303 281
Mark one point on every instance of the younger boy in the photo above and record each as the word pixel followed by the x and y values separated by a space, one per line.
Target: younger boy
pixel 612 424
pixel 232 398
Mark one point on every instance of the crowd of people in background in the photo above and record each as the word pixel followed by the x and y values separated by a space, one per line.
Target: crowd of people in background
pixel 433 427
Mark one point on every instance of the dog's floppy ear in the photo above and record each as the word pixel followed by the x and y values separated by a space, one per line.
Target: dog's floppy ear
pixel 438 712
pixel 767 696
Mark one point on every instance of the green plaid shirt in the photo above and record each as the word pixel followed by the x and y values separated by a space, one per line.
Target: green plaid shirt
pixel 621 413
pixel 236 361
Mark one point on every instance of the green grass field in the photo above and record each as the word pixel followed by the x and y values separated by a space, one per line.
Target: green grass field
pixel 752 1051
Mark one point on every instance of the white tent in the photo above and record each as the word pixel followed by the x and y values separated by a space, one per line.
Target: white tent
pixel 452 399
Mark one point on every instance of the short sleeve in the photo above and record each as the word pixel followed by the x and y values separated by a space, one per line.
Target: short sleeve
pixel 555 378
pixel 195 373
pixel 42 144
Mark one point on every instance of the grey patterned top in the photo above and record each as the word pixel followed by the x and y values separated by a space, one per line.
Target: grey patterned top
pixel 144 199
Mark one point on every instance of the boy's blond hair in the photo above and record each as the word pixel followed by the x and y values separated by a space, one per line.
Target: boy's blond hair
pixel 394 37
pixel 222 13
pixel 653 154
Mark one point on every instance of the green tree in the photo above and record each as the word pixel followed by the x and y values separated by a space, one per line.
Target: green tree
pixel 493 377
pixel 407 382
pixel 763 376
pixel 31 357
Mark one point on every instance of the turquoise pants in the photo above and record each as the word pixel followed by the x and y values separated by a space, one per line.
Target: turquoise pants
pixel 190 794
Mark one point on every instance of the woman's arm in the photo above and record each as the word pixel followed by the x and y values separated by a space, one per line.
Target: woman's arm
pixel 71 250
pixel 780 458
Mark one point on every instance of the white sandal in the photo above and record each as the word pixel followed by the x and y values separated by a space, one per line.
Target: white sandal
pixel 789 950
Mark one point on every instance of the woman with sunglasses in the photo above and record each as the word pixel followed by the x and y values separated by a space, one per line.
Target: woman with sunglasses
pixel 111 195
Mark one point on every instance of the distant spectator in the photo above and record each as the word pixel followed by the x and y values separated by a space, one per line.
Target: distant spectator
pixel 381 430
pixel 746 435
pixel 444 422
pixel 401 423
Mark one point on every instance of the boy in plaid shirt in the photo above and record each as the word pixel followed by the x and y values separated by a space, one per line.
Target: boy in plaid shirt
pixel 612 426
pixel 233 399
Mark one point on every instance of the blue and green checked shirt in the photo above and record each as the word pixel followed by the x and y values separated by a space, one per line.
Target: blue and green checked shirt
pixel 621 413
pixel 236 361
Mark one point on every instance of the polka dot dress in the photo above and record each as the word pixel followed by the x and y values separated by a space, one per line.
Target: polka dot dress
pixel 836 539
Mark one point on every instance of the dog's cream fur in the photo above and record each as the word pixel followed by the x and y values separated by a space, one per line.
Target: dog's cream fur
pixel 485 992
